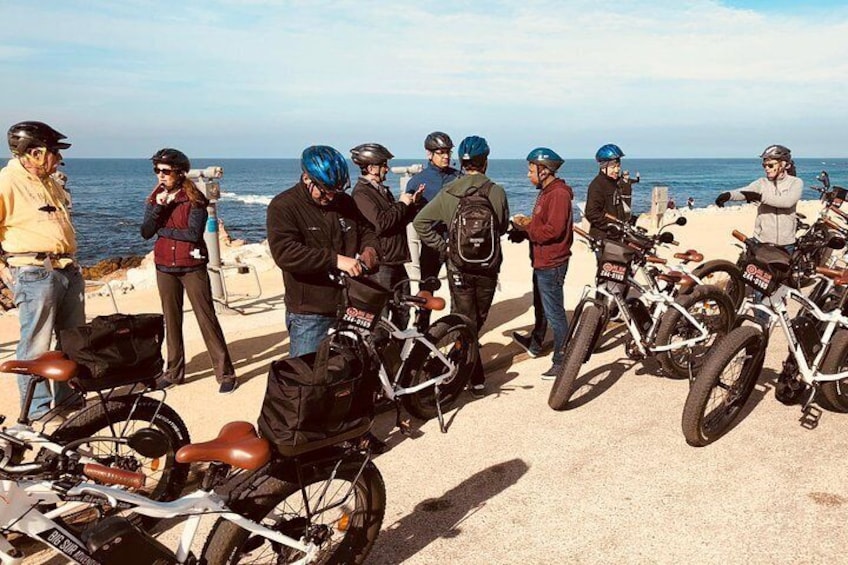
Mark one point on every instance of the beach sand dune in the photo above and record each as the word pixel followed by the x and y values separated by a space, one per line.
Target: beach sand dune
pixel 609 481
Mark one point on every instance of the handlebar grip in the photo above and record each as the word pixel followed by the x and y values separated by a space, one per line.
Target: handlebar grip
pixel 831 273
pixel 839 212
pixel 609 216
pixel 831 224
pixel 739 235
pixel 111 476
pixel 431 302
pixel 655 259
pixel 580 231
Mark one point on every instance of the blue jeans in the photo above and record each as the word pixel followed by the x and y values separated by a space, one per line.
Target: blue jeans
pixel 48 301
pixel 550 283
pixel 306 331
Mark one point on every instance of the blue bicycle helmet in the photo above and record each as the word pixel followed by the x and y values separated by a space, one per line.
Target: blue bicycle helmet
pixel 609 152
pixel 472 147
pixel 546 157
pixel 326 167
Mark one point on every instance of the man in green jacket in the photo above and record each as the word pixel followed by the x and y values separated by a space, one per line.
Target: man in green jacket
pixel 472 286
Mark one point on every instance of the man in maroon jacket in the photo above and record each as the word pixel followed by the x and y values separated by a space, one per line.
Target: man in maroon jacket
pixel 550 231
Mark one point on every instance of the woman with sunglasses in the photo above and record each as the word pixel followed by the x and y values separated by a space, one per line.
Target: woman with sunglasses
pixel 776 194
pixel 176 213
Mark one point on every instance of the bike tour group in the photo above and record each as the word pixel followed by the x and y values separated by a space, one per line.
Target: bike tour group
pixel 348 298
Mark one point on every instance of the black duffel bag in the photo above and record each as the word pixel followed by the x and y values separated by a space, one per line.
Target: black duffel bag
pixel 319 399
pixel 116 350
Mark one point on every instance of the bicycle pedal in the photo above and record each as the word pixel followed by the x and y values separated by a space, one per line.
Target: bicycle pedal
pixel 810 417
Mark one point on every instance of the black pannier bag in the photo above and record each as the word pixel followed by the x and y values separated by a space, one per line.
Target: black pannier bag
pixel 766 268
pixel 116 350
pixel 365 302
pixel 319 399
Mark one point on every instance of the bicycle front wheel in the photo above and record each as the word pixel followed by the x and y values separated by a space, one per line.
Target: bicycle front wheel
pixel 576 351
pixel 345 512
pixel 455 339
pixel 722 386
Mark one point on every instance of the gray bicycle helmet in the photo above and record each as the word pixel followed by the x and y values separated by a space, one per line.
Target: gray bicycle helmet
pixel 438 140
pixel 777 152
pixel 26 135
pixel 369 154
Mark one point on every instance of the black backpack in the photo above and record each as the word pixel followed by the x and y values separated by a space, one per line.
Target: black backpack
pixel 474 242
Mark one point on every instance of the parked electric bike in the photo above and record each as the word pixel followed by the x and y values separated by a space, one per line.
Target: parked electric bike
pixel 818 343
pixel 126 427
pixel 319 505
pixel 659 324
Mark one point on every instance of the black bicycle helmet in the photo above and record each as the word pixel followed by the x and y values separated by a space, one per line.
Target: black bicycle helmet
pixel 26 135
pixel 173 157
pixel 777 152
pixel 438 140
pixel 370 154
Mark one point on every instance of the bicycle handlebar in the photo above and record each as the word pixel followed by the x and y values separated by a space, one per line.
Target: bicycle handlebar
pixel 739 235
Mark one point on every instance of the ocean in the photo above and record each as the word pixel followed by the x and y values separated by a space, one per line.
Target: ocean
pixel 108 194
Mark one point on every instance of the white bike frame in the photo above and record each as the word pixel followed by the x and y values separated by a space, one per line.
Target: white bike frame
pixel 664 302
pixel 809 372
pixel 19 513
pixel 410 337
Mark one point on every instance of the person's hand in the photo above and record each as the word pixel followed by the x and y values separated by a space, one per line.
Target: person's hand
pixel 369 258
pixel 520 221
pixel 348 265
pixel 418 194
pixel 161 196
pixel 722 198
pixel 516 236
pixel 406 198
pixel 751 196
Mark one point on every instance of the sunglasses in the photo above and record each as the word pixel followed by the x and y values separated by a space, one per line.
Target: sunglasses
pixel 160 171
pixel 771 165
pixel 443 152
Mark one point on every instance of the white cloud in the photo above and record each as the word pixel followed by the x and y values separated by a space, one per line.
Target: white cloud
pixel 575 62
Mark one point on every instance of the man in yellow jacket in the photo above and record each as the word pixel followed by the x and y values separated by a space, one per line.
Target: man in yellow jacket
pixel 39 244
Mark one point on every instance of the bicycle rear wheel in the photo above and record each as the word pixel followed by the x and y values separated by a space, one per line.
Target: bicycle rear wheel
pixel 836 361
pixel 722 386
pixel 113 422
pixel 455 339
pixel 726 276
pixel 709 306
pixel 345 514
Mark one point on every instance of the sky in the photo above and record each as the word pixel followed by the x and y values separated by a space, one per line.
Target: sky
pixel 266 78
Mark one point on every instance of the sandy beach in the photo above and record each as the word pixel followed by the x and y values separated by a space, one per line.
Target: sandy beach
pixel 611 480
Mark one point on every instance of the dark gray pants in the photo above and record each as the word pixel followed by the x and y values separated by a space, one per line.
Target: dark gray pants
pixel 196 285
pixel 389 276
pixel 472 296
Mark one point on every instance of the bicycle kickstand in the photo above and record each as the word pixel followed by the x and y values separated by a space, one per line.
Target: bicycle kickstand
pixel 439 411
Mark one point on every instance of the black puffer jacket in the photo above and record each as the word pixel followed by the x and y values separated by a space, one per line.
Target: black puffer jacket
pixel 604 197
pixel 305 238
pixel 389 219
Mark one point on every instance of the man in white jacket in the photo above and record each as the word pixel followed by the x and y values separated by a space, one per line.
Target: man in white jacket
pixel 776 194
